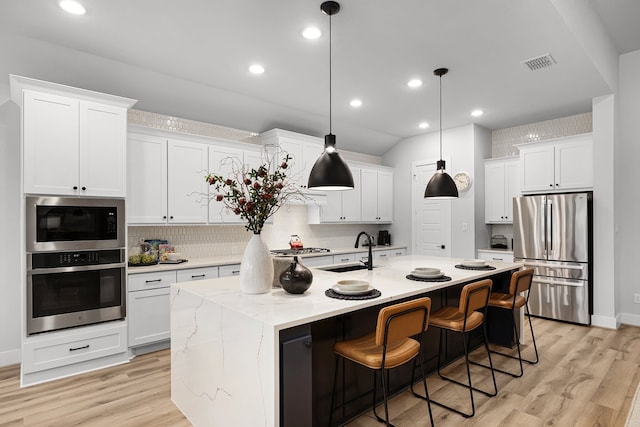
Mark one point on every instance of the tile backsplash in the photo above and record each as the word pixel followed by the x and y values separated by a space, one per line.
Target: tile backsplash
pixel 197 241
pixel 503 141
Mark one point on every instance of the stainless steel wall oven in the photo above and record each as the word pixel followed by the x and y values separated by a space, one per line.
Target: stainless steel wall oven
pixel 76 271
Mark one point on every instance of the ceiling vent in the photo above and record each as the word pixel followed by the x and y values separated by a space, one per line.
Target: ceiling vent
pixel 539 62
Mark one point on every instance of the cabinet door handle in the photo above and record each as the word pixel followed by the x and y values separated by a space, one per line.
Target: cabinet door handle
pixel 164 217
pixel 442 246
pixel 550 185
pixel 198 275
pixel 557 185
pixel 171 217
pixel 344 259
pixel 235 272
pixel 153 281
pixel 79 348
pixel 75 187
pixel 84 188
pixel 497 259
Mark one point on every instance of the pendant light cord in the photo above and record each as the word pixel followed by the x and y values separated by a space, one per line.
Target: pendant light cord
pixel 330 91
pixel 440 117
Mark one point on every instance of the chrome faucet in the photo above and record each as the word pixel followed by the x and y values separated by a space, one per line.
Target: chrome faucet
pixel 369 263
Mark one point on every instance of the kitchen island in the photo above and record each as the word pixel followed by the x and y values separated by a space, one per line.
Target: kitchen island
pixel 240 359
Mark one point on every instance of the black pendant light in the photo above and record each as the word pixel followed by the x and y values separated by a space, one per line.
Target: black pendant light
pixel 330 172
pixel 441 185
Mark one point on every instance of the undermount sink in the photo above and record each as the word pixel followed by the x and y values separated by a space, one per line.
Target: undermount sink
pixel 345 268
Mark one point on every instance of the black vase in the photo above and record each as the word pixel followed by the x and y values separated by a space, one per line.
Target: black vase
pixel 297 278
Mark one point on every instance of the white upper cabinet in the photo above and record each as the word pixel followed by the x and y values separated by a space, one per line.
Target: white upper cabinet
pixel 377 195
pixel 74 140
pixel 563 164
pixel 502 184
pixel 303 149
pixel 146 179
pixel 187 165
pixel 222 161
pixel 344 206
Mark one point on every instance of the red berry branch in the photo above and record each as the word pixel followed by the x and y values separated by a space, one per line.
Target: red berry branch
pixel 254 194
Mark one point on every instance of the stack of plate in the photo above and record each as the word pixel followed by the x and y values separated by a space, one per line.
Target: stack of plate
pixel 427 273
pixel 473 263
pixel 352 287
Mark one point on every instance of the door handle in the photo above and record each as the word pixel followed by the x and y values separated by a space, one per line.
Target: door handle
pixel 442 246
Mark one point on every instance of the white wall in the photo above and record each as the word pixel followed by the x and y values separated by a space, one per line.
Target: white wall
pixel 458 145
pixel 627 193
pixel 10 231
pixel 604 274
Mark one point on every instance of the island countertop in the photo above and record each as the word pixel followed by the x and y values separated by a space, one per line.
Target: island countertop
pixel 282 310
pixel 226 350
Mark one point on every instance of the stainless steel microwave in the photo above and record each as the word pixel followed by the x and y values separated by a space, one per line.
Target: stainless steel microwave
pixel 68 223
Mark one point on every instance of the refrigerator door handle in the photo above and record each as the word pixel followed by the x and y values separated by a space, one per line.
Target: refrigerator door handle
pixel 564 267
pixel 549 225
pixel 559 282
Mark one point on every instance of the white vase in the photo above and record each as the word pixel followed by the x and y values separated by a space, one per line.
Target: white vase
pixel 256 270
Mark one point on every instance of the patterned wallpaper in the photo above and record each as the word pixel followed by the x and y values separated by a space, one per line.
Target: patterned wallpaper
pixel 503 141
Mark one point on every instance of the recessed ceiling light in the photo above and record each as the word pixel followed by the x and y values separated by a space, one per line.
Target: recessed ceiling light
pixel 477 113
pixel 256 69
pixel 72 7
pixel 414 83
pixel 355 103
pixel 311 33
pixel 423 125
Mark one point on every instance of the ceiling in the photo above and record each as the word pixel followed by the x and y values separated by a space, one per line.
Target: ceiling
pixel 189 59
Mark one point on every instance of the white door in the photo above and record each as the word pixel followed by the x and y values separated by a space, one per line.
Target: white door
pixel 351 203
pixel 537 168
pixel 187 189
pixel 51 140
pixel 385 196
pixel 103 150
pixel 574 162
pixel 494 194
pixel 431 218
pixel 146 179
pixel 223 161
pixel 369 187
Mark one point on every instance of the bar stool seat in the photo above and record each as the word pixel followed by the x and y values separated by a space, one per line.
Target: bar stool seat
pixel 451 318
pixel 468 316
pixel 397 340
pixel 500 300
pixel 365 351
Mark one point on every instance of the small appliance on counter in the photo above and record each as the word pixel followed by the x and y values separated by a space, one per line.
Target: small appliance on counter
pixel 498 241
pixel 384 238
pixel 295 242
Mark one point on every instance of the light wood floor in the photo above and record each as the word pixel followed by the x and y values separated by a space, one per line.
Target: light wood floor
pixel 586 377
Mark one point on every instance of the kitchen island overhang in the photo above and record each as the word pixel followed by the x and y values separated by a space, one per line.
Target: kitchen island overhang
pixel 226 346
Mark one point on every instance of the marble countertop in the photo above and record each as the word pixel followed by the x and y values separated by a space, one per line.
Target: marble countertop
pixel 282 310
pixel 235 259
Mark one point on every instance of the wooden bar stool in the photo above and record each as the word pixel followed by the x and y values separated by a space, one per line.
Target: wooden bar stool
pixel 469 315
pixel 520 282
pixel 390 346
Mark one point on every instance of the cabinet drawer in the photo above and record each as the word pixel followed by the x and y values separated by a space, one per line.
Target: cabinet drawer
pixel 161 279
pixel 68 348
pixel 315 261
pixel 340 259
pixel 491 256
pixel 197 274
pixel 382 256
pixel 398 252
pixel 229 270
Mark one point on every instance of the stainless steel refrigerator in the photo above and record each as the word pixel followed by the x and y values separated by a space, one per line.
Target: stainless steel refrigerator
pixel 553 234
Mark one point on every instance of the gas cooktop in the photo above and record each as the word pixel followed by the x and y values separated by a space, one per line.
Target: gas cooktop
pixel 299 251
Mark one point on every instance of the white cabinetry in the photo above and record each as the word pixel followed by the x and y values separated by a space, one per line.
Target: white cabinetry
pixel 229 270
pixel 166 180
pixel 563 164
pixel 74 140
pixel 398 252
pixel 303 149
pixel 344 206
pixel 493 255
pixel 148 307
pixel 377 195
pixel 187 163
pixel 502 184
pixel 147 179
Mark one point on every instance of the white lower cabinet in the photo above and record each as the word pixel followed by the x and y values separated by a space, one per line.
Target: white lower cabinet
pixel 229 270
pixel 381 257
pixel 63 349
pixel 148 307
pixel 398 252
pixel 502 256
pixel 316 261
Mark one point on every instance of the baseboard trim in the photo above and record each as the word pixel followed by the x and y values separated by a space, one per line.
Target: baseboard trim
pixel 605 321
pixel 630 319
pixel 11 357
